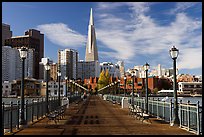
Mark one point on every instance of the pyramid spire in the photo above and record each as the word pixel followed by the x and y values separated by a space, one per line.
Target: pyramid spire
pixel 91 48
pixel 91 21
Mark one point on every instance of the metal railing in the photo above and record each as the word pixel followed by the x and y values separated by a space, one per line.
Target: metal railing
pixel 190 115
pixel 35 109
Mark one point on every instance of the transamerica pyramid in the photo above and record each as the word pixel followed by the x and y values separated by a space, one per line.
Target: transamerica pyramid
pixel 91 48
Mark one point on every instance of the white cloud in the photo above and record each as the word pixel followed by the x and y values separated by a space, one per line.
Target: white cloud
pixel 182 6
pixel 141 35
pixel 61 34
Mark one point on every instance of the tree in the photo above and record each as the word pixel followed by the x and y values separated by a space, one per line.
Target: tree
pixel 155 90
pixel 104 79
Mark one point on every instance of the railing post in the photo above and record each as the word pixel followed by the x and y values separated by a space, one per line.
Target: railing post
pixel 2 119
pixel 157 108
pixel 41 107
pixel 32 110
pixel 18 116
pixel 188 114
pixel 170 111
pixel 26 111
pixel 37 107
pixel 181 114
pixel 198 119
pixel 164 110
pixel 11 115
pixel 153 106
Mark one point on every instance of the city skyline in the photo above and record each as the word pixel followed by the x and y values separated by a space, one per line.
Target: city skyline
pixel 135 32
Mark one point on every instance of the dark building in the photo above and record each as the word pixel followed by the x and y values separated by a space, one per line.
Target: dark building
pixel 32 39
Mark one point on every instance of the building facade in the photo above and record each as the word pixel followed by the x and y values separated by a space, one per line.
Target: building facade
pixel 32 39
pixel 6 33
pixel 87 69
pixel 113 69
pixel 12 64
pixel 68 63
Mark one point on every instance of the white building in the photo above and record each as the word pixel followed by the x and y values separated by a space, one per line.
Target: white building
pixel 12 64
pixel 188 87
pixel 67 60
pixel 87 69
pixel 140 71
pixel 121 68
pixel 53 88
pixel 113 69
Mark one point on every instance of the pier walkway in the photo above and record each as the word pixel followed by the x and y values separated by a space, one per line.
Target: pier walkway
pixel 99 117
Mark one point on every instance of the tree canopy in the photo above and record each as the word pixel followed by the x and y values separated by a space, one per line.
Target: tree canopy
pixel 104 79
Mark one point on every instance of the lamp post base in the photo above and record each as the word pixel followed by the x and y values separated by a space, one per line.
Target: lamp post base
pixel 175 122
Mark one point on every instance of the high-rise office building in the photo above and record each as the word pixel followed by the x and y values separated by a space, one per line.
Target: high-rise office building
pixel 6 33
pixel 67 63
pixel 87 69
pixel 12 64
pixel 32 39
pixel 113 69
pixel 121 68
pixel 91 48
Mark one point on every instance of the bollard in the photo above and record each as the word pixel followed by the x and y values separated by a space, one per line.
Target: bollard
pixel 18 115
pixel 198 119
pixel 11 115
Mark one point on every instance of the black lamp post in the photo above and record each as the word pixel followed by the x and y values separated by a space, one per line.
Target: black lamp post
pixel 66 85
pixel 47 68
pixel 119 87
pixel 174 54
pixel 146 67
pixel 115 87
pixel 124 84
pixel 133 88
pixel 23 55
pixel 59 75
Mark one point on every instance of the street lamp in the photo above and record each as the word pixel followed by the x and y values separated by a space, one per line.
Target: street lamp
pixel 174 54
pixel 47 68
pixel 132 88
pixel 124 84
pixel 23 55
pixel 115 87
pixel 146 67
pixel 119 87
pixel 66 78
pixel 59 75
pixel 112 87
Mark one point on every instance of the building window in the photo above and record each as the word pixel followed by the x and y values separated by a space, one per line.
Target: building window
pixel 55 92
pixel 6 86
pixel 61 91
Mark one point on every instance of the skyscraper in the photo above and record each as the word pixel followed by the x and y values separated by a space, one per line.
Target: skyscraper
pixel 91 48
pixel 32 39
pixel 6 32
pixel 67 61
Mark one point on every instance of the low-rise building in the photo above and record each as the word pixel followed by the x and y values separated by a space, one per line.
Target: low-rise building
pixel 190 87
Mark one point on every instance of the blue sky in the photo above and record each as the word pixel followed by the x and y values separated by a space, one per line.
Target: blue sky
pixel 135 32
